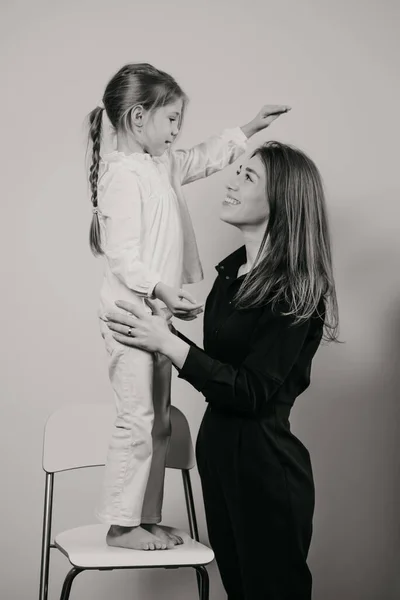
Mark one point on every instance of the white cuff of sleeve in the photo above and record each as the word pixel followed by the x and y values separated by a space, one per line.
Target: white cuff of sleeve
pixel 236 135
pixel 150 292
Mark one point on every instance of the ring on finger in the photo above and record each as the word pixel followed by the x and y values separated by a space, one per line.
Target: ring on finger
pixel 129 331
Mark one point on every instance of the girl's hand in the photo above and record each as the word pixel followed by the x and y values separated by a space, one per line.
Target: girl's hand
pixel 167 314
pixel 190 315
pixel 264 118
pixel 180 302
pixel 138 329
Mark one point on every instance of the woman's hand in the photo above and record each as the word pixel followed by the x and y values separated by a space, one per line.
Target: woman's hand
pixel 138 329
pixel 180 302
pixel 264 118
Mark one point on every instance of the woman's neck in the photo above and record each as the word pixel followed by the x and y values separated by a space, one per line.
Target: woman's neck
pixel 252 242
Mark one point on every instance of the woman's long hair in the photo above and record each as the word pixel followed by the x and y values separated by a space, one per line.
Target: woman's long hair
pixel 293 267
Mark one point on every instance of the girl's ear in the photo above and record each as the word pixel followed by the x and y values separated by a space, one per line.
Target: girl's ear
pixel 137 116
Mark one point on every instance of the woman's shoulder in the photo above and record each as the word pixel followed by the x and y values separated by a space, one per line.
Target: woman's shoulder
pixel 280 314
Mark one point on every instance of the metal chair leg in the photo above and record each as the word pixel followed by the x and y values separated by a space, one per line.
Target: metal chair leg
pixel 198 577
pixel 194 532
pixel 204 588
pixel 46 537
pixel 66 589
pixel 187 486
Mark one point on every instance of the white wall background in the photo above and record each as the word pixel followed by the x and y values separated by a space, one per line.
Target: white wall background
pixel 336 63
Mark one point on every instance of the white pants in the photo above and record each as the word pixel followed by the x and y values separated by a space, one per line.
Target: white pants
pixel 134 475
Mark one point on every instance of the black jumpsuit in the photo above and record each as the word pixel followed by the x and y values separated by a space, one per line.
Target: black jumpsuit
pixel 256 475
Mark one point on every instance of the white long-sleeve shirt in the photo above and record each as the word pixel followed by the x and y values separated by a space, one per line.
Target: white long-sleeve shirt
pixel 146 230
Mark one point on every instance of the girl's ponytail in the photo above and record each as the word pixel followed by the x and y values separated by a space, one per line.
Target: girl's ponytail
pixel 95 125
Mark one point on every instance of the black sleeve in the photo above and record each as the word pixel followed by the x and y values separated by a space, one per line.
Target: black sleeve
pixel 184 338
pixel 275 348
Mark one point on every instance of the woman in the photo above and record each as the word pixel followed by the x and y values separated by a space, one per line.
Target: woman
pixel 272 302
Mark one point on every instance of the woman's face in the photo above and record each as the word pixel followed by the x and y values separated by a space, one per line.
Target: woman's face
pixel 245 204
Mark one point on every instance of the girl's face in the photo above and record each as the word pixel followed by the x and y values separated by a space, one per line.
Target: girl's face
pixel 160 127
pixel 246 204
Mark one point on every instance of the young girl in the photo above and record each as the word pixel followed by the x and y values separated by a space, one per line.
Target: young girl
pixel 142 228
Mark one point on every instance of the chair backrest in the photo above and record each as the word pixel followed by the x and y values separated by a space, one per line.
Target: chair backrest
pixel 78 435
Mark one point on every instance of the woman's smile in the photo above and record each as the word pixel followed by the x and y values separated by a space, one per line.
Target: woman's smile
pixel 230 201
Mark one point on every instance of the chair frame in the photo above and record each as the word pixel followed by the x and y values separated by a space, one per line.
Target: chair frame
pixel 47 545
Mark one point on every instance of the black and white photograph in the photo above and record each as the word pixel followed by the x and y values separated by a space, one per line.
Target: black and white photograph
pixel 200 372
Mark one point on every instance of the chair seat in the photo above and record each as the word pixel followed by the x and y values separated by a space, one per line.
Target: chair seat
pixel 86 547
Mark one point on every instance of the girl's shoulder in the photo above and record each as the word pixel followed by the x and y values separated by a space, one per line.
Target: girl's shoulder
pixel 150 174
pixel 120 170
pixel 121 179
pixel 140 164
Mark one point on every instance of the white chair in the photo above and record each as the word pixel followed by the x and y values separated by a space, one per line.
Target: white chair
pixel 77 436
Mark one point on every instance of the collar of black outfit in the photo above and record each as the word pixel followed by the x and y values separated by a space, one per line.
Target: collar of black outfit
pixel 229 266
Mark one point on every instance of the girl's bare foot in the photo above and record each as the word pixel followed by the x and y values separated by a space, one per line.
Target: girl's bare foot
pixel 135 538
pixel 163 534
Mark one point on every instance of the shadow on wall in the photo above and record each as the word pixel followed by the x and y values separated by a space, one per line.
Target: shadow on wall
pixel 351 423
pixel 392 376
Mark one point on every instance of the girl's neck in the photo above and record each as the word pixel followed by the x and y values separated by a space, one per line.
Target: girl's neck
pixel 128 145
